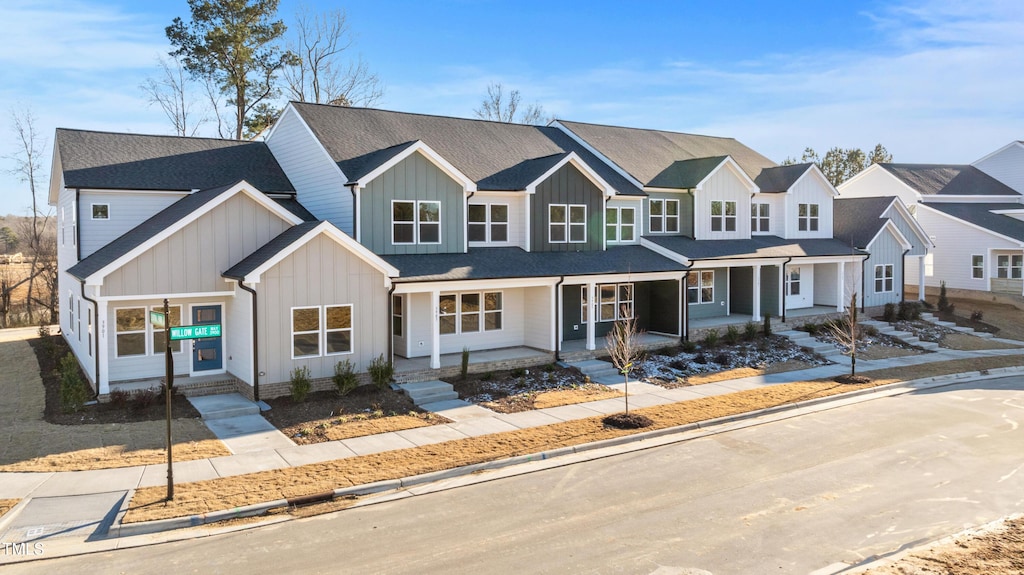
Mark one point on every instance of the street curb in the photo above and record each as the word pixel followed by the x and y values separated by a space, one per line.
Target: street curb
pixel 888 390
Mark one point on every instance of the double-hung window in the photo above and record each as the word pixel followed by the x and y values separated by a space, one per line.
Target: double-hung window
pixel 415 222
pixel 978 267
pixel 488 222
pixel 1009 266
pixel 321 330
pixel 567 223
pixel 793 282
pixel 620 224
pixel 470 312
pixel 664 216
pixel 807 217
pixel 723 216
pixel 760 221
pixel 130 325
pixel 700 286
pixel 883 278
pixel 615 302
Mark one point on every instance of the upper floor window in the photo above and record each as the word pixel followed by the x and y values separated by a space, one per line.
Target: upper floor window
pixel 760 217
pixel 664 216
pixel 807 217
pixel 415 222
pixel 567 223
pixel 101 211
pixel 1009 266
pixel 723 216
pixel 488 222
pixel 883 278
pixel 978 267
pixel 620 224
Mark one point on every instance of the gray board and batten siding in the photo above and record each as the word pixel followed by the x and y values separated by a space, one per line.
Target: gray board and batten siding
pixel 568 186
pixel 886 249
pixel 685 212
pixel 414 178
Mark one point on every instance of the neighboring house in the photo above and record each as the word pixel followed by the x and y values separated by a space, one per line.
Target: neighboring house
pixel 972 213
pixel 883 227
pixel 355 233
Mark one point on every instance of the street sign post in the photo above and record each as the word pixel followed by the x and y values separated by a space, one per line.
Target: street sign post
pixel 195 331
pixel 168 390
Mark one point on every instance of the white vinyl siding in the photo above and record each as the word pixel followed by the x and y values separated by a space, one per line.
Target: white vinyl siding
pixel 724 187
pixel 516 215
pixel 1007 166
pixel 955 243
pixel 877 181
pixel 812 189
pixel 125 210
pixel 488 223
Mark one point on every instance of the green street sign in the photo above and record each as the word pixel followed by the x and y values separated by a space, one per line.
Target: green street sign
pixel 195 331
pixel 157 319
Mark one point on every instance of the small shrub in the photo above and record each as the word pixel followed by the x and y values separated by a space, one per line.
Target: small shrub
pixel 679 364
pixel 688 346
pixel 951 308
pixel 300 384
pixel 810 327
pixel 889 315
pixel 701 358
pixel 722 359
pixel 944 304
pixel 119 398
pixel 977 315
pixel 550 367
pixel 750 331
pixel 72 389
pixel 44 330
pixel 914 310
pixel 732 335
pixel 518 372
pixel 927 304
pixel 767 328
pixel 868 330
pixel 711 338
pixel 345 378
pixel 143 399
pixel 381 372
pixel 487 376
pixel 464 369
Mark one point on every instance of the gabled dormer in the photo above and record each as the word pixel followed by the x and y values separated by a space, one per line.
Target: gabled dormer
pixel 798 201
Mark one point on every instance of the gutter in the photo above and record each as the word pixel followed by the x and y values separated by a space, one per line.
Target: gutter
pixel 684 307
pixel 96 336
pixel 863 283
pixel 558 318
pixel 255 343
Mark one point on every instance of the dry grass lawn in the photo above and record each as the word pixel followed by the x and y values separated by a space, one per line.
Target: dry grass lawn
pixel 967 342
pixel 363 427
pixel 28 443
pixel 6 505
pixel 225 493
pixel 562 397
pixel 1007 318
pixel 885 352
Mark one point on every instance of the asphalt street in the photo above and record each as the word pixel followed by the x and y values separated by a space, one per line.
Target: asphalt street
pixel 808 493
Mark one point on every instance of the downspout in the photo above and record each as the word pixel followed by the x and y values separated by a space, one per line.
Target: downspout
pixel 558 318
pixel 391 318
pixel 255 343
pixel 355 213
pixel 96 336
pixel 78 231
pixel 685 307
pixel 863 282
pixel 783 294
pixel 903 275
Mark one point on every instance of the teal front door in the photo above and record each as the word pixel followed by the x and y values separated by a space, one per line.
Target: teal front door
pixel 207 353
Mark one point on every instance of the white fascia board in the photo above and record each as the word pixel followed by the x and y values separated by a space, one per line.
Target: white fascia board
pixel 474 285
pixel 582 166
pixel 207 295
pixel 737 171
pixel 600 156
pixel 820 175
pixel 667 190
pixel 242 187
pixel 774 261
pixel 624 277
pixel 891 227
pixel 900 207
pixel 56 177
pixel 973 225
pixel 663 251
pixel 328 229
pixel 435 158
pixel 936 199
pixel 1017 143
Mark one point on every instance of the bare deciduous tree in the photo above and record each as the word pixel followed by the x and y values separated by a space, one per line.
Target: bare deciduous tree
pixel 847 333
pixel 622 343
pixel 28 169
pixel 501 108
pixel 173 92
pixel 322 74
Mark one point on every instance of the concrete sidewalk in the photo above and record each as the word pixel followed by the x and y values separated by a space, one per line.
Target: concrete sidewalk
pixel 74 491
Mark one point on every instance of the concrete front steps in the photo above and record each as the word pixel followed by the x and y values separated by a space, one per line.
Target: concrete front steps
pixel 807 341
pixel 598 371
pixel 968 330
pixel 424 392
pixel 904 336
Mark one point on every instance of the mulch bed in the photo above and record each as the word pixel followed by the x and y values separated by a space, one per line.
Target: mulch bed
pixel 367 401
pixel 515 390
pixel 148 408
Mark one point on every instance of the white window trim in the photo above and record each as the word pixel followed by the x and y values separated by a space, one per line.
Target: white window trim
pixel 571 224
pixel 808 219
pixel 489 222
pixel 724 217
pixel 318 331
pixel 74 224
pixel 92 211
pixel 71 312
pixel 482 322
pixel 699 287
pixel 618 302
pixel 888 274
pixel 1009 267
pixel 664 217
pixel 350 329
pixel 552 223
pixel 416 222
pixel 400 316
pixel 978 267
pixel 757 219
pixel 790 281
pixel 618 225
pixel 145 331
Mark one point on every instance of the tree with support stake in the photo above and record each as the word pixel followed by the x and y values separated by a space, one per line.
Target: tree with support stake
pixel 622 343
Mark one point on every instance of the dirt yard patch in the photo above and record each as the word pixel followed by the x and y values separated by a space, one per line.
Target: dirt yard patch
pixel 885 352
pixel 1007 321
pixel 570 396
pixel 6 505
pixel 999 550
pixel 29 443
pixel 205 496
pixel 325 416
pixel 968 342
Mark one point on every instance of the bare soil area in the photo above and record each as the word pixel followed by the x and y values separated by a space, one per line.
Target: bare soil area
pixel 1003 320
pixel 6 505
pixel 995 551
pixel 225 493
pixel 325 416
pixel 968 342
pixel 516 390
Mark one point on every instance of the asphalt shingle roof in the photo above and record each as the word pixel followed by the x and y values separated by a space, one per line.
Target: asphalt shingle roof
pixel 949 180
pixel 686 173
pixel 268 250
pixel 780 178
pixel 981 215
pixel 856 221
pixel 645 154
pixel 495 263
pixel 108 160
pixel 756 247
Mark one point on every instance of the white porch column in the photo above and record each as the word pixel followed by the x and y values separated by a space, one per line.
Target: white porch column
pixel 920 277
pixel 435 329
pixel 592 310
pixel 840 284
pixel 757 293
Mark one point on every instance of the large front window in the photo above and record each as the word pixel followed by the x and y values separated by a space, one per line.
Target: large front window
pixel 700 287
pixel 321 330
pixel 415 222
pixel 470 312
pixel 131 331
pixel 488 223
pixel 1009 266
pixel 664 216
pixel 620 224
pixel 723 216
pixel 807 217
pixel 883 278
pixel 567 223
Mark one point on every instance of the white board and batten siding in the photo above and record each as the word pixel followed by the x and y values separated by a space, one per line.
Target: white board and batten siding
pixel 237 319
pixel 725 186
pixel 955 244
pixel 320 273
pixel 516 202
pixel 776 213
pixel 1006 165
pixel 125 210
pixel 316 178
pixel 810 189
pixel 192 259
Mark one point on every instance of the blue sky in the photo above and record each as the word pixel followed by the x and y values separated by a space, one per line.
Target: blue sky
pixel 932 80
